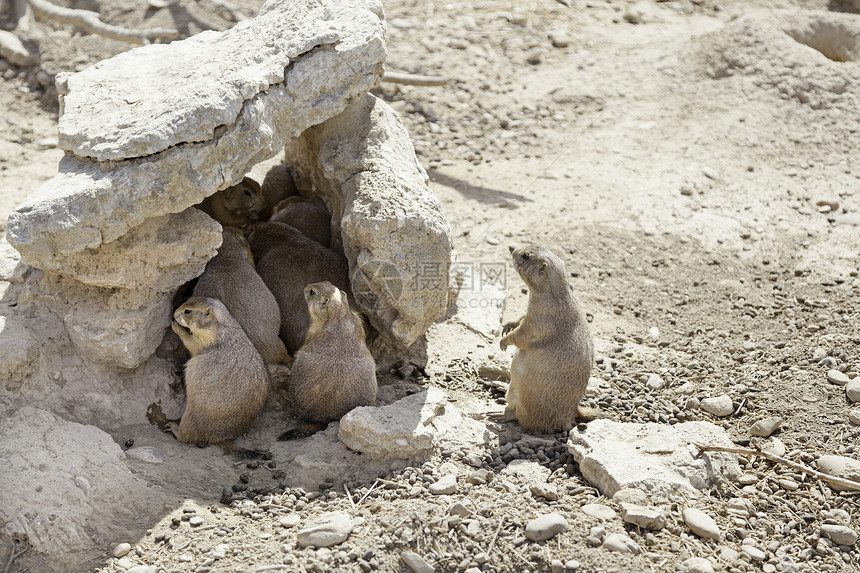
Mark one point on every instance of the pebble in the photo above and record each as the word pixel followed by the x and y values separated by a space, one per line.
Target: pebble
pixel 766 427
pixel 832 202
pixel 852 390
pixel 460 509
pixel 220 551
pixel 480 477
pixel 701 523
pixel 839 534
pixel 632 495
pixel 195 521
pixel 546 527
pixel 837 516
pixel 416 562
pixel 775 447
pixel 146 454
pixel 621 543
pixel 125 563
pixel 571 564
pixel 828 362
pixel 854 416
pixel 749 346
pixel 14 51
pixel 121 550
pixel 291 520
pixel 645 517
pixel 720 406
pixel 729 555
pixel 710 173
pixel 547 491
pixel 143 569
pixel 839 466
pixel 494 240
pixel 754 553
pixel 446 485
pixel 599 511
pixel 556 566
pixel 819 354
pixel 655 382
pixel 747 479
pixel 654 333
pixel 837 377
pixel 326 530
pixel 535 56
pixel 559 39
pixel 82 483
pixel 697 565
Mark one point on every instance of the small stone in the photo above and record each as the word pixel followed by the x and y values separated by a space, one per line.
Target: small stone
pixel 220 551
pixel 13 50
pixel 125 563
pixel 836 517
pixel 753 552
pixel 720 406
pixel 460 509
pixel 697 565
pixel 701 523
pixel 143 569
pixel 644 517
pixel 839 534
pixel 446 485
pixel 839 466
pixel 146 454
pixel 559 39
pixel 535 56
pixel 82 483
pixel 775 447
pixel 121 550
pixel 654 334
pixel 494 240
pixel 545 490
pixel 788 484
pixel 479 477
pixel 556 566
pixel 546 527
pixel 747 479
pixel 195 521
pixel 831 202
pixel 600 511
pixel 764 428
pixel 710 173
pixel 326 530
pixel 729 555
pixel 632 495
pixel 571 564
pixel 749 346
pixel 837 377
pixel 621 543
pixel 854 416
pixel 686 190
pixel 291 520
pixel 655 382
pixel 852 390
pixel 416 562
pixel 828 362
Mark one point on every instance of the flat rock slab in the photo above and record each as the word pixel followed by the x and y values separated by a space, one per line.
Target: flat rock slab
pixel 188 129
pixel 655 458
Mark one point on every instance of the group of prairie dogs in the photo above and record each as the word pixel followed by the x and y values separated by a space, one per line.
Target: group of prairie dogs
pixel 277 294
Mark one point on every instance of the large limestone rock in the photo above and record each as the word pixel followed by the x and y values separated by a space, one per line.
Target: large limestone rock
pixel 389 222
pixel 655 458
pixel 65 487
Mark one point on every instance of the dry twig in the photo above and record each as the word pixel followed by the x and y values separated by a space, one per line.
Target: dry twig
pixel 91 22
pixel 413 79
pixel 757 451
pixel 13 555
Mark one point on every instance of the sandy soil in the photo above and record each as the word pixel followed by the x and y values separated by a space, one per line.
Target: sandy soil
pixel 697 176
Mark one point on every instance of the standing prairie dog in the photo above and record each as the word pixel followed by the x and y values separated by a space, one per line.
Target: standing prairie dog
pixel 226 381
pixel 288 261
pixel 237 205
pixel 231 278
pixel 312 220
pixel 333 372
pixel 550 370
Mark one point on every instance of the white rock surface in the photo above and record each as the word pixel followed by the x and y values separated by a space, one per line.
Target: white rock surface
pixel 326 530
pixel 363 165
pixel 655 458
pixel 621 543
pixel 701 523
pixel 20 356
pixel 146 454
pixel 72 484
pixel 526 472
pixel 409 427
pixel 480 297
pixel 840 466
pixel 13 50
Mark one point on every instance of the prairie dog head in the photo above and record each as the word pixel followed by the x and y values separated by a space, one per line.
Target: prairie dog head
pixel 540 268
pixel 234 242
pixel 325 301
pixel 239 205
pixel 196 322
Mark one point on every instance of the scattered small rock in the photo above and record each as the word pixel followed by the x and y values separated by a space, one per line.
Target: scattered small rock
pixel 701 523
pixel 546 527
pixel 480 477
pixel 839 466
pixel 644 517
pixel 831 202
pixel 146 454
pixel 545 490
pixel 559 38
pixel 326 530
pixel 729 555
pixel 121 550
pixel 14 52
pixel 142 569
pixel 655 382
pixel 599 511
pixel 460 509
pixel 416 562
pixel 195 521
pixel 534 57
pixel 852 390
pixel 446 485
pixel 837 377
pixel 720 406
pixel 697 565
pixel 220 551
pixel 621 543
pixel 291 520
pixel 764 428
pixel 839 534
pixel 754 552
pixel 775 447
pixel 854 416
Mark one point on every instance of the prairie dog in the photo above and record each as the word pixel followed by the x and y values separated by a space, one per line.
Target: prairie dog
pixel 231 278
pixel 226 381
pixel 550 370
pixel 237 205
pixel 311 219
pixel 288 261
pixel 277 186
pixel 333 371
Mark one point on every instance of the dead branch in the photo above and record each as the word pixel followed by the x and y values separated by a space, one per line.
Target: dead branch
pixel 833 480
pixel 90 21
pixel 412 79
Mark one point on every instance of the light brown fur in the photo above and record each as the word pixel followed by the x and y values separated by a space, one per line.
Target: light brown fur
pixel 333 371
pixel 288 261
pixel 550 369
pixel 231 278
pixel 277 186
pixel 312 220
pixel 237 205
pixel 226 381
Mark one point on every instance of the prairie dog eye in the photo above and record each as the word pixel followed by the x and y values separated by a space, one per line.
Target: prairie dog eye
pixel 527 256
pixel 247 193
pixel 187 311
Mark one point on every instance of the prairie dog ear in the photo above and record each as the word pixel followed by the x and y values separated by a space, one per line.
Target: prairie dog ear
pixel 543 268
pixel 255 187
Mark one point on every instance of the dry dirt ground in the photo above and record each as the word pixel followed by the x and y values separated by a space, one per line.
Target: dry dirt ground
pixel 697 175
